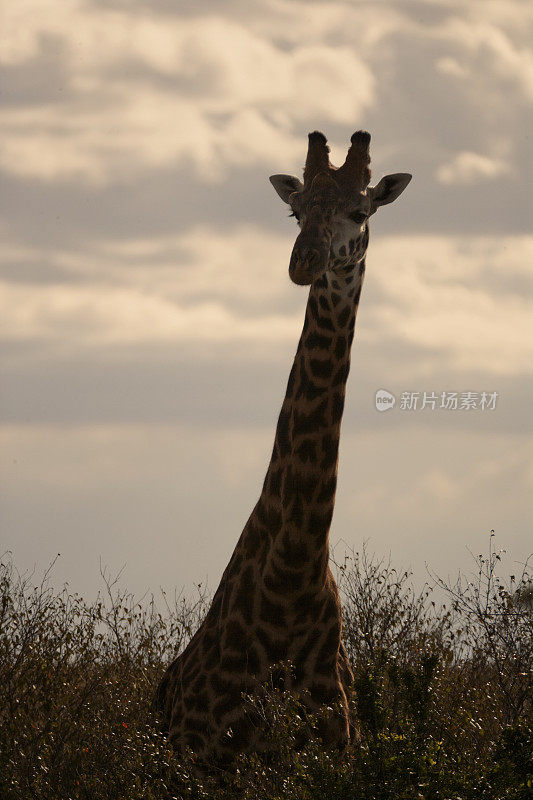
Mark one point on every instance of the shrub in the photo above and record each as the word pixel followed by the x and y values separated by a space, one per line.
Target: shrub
pixel 76 681
pixel 442 692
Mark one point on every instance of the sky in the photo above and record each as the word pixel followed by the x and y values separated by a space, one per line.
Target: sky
pixel 148 321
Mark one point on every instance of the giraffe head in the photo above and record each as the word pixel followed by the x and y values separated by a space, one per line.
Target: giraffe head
pixel 332 207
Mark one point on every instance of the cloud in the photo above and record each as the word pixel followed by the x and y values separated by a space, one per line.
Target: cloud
pixel 147 91
pixel 491 53
pixel 441 483
pixel 81 509
pixel 468 168
pixel 450 66
pixel 134 96
pixel 427 495
pixel 100 316
pixel 184 492
pixel 149 321
pixel 464 300
pixel 456 297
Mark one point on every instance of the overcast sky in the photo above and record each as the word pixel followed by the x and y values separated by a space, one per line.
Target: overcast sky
pixel 148 321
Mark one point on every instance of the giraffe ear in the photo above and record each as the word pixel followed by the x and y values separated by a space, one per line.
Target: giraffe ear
pixel 285 185
pixel 389 188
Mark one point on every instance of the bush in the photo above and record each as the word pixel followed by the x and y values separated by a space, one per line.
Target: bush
pixel 442 692
pixel 76 681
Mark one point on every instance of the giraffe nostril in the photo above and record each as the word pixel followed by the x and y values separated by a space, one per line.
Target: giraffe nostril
pixel 307 263
pixel 311 257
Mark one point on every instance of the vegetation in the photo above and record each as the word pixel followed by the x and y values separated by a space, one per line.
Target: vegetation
pixel 443 694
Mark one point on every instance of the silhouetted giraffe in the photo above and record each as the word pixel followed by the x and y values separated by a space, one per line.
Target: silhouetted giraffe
pixel 277 600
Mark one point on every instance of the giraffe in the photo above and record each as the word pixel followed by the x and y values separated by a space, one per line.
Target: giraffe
pixel 277 602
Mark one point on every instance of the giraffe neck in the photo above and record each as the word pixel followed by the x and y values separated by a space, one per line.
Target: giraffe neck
pixel 296 505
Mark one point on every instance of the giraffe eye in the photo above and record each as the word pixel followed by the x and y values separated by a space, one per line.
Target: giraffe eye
pixel 358 216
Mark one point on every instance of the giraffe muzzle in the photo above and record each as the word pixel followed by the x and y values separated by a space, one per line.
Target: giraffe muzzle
pixel 307 263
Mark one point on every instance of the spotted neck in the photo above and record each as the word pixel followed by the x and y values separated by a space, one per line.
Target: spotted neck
pixel 296 505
